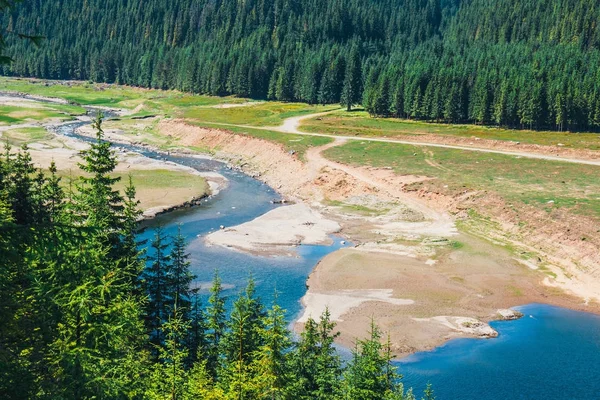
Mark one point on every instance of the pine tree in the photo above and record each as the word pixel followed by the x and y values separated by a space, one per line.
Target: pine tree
pixel 180 277
pixel 156 282
pixel 352 89
pixel 196 338
pixel 314 361
pixel 271 375
pixel 169 376
pixel 99 204
pixel 370 374
pixel 215 325
pixel 131 257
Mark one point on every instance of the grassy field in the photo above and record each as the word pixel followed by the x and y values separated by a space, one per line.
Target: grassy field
pixel 261 114
pixel 14 114
pixel 296 143
pixel 155 187
pixel 154 178
pixel 537 182
pixel 359 123
pixel 151 101
pixel 171 103
pixel 21 136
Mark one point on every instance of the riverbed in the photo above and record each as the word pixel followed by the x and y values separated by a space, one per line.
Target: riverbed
pixel 551 353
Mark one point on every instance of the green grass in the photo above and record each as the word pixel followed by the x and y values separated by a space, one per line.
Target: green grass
pixel 21 136
pixel 532 181
pixel 93 94
pixel 359 123
pixel 297 143
pixel 11 115
pixel 261 114
pixel 161 178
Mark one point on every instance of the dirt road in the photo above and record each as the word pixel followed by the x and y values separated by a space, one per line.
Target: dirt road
pixel 292 125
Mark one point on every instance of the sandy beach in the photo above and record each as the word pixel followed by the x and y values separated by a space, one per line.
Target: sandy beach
pixel 278 231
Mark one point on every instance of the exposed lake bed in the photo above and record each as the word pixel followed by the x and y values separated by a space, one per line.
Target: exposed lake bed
pixel 400 276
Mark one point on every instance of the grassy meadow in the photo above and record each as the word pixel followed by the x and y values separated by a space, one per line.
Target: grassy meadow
pixel 532 181
pixel 359 123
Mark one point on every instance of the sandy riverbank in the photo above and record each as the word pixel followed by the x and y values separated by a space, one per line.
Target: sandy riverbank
pixel 422 281
pixel 278 231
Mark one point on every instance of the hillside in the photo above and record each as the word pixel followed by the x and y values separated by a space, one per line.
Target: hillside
pixel 518 63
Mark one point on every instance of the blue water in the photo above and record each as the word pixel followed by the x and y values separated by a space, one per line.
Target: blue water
pixel 551 353
pixel 243 200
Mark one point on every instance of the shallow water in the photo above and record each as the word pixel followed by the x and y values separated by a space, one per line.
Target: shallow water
pixel 551 353
pixel 241 201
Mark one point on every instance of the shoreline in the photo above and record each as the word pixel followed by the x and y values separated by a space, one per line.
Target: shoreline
pixel 248 161
pixel 215 182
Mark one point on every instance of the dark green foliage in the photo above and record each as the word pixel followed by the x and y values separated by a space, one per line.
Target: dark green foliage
pixel 156 283
pixel 446 60
pixel 79 320
pixel 70 314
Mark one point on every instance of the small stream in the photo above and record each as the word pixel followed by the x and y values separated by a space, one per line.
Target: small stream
pixel 242 200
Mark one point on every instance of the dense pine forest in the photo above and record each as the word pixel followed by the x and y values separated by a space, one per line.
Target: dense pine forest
pixel 87 314
pixel 520 63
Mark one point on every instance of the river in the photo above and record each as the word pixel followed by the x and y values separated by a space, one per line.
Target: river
pixel 551 353
pixel 242 200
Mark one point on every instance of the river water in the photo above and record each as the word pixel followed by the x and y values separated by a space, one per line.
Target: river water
pixel 551 353
pixel 242 200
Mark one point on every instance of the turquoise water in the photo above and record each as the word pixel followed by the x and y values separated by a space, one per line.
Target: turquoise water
pixel 551 353
pixel 243 200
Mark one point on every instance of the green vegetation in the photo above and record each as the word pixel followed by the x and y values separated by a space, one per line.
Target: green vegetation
pixel 298 144
pixel 542 183
pixel 359 123
pixel 165 180
pixel 87 314
pixel 14 114
pixel 117 96
pixel 437 60
pixel 262 114
pixel 21 136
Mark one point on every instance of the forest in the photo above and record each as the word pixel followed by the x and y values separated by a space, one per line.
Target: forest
pixel 520 63
pixel 90 312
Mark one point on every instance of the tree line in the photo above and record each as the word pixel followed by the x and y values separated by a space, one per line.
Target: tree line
pixel 89 312
pixel 524 63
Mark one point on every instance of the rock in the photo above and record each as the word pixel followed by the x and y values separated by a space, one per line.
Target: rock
pixel 509 315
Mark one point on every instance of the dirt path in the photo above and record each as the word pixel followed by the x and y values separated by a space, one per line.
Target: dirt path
pixel 292 125
pixel 435 224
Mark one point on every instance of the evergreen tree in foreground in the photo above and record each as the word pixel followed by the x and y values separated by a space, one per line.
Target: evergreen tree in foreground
pixel 73 312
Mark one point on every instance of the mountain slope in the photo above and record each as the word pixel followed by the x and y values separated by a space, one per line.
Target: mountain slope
pixel 521 63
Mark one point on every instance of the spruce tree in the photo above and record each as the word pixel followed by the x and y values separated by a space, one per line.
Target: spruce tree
pixel 215 325
pixel 352 89
pixel 156 282
pixel 180 277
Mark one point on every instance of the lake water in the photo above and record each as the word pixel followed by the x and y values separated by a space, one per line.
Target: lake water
pixel 551 353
